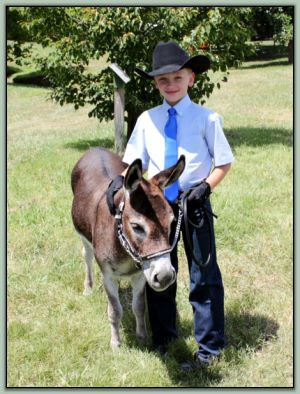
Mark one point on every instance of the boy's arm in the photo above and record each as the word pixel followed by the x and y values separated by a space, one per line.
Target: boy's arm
pixel 217 175
pixel 203 191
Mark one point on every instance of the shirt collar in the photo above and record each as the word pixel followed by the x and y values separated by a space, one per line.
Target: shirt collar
pixel 180 107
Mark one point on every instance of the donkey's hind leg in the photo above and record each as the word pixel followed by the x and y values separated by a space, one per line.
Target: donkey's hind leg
pixel 88 254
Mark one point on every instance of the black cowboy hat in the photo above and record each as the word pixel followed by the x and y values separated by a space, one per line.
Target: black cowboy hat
pixel 169 57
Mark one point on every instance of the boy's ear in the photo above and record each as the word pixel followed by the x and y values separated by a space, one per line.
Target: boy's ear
pixel 192 79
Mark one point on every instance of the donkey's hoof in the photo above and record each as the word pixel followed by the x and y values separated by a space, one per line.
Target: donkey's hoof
pixel 87 291
pixel 115 345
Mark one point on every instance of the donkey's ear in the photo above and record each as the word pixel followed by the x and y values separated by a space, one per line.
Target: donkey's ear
pixel 168 176
pixel 133 175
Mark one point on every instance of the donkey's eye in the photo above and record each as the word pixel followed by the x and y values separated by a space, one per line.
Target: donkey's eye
pixel 138 229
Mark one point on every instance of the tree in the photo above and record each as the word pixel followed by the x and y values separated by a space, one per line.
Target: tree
pixel 16 36
pixel 284 29
pixel 274 23
pixel 127 36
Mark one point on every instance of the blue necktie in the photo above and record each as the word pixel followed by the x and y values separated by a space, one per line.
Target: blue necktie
pixel 171 152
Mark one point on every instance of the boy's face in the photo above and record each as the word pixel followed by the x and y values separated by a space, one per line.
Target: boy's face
pixel 174 86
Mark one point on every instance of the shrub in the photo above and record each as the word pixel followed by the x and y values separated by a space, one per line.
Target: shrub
pixel 10 70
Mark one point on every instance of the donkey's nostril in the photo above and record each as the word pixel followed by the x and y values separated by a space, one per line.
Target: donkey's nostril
pixel 162 280
pixel 155 278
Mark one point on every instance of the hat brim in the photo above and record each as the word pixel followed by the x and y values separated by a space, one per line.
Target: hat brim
pixel 199 64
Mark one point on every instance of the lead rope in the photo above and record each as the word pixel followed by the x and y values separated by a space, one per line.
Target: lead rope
pixel 187 221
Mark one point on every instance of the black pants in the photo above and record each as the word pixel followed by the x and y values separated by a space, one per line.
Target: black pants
pixel 206 291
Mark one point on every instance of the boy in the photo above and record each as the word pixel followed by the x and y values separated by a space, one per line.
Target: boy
pixel 198 136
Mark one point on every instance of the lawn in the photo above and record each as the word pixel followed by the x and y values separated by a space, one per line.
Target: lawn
pixel 58 338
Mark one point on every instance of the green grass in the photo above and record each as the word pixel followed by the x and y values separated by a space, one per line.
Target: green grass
pixel 58 338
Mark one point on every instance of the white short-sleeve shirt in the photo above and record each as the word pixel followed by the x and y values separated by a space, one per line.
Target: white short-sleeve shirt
pixel 200 138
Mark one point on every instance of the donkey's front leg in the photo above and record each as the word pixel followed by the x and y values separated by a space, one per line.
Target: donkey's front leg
pixel 88 255
pixel 138 282
pixel 114 309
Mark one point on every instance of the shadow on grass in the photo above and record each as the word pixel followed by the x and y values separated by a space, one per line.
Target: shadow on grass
pixel 257 137
pixel 249 331
pixel 248 136
pixel 266 64
pixel 83 145
pixel 245 332
pixel 27 85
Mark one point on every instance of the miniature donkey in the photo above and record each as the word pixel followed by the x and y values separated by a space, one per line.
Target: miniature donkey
pixel 145 221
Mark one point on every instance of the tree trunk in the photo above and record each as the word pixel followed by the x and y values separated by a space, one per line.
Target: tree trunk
pixel 291 51
pixel 119 104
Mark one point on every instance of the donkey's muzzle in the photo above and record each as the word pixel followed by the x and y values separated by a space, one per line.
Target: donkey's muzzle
pixel 162 274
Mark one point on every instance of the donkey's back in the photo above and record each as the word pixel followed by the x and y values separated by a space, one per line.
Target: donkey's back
pixel 89 180
pixel 96 169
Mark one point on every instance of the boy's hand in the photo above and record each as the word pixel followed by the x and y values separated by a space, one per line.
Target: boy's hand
pixel 112 189
pixel 200 194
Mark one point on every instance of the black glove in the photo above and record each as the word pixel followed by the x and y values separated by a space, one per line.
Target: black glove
pixel 112 189
pixel 200 194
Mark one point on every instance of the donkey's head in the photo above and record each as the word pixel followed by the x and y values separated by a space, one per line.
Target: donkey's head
pixel 147 220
